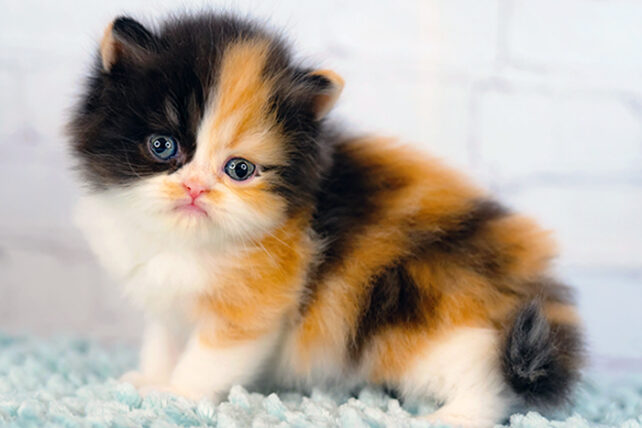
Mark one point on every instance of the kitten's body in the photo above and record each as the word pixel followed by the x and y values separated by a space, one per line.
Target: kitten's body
pixel 343 260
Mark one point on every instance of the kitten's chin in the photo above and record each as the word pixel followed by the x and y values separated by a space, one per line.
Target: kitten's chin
pixel 191 221
pixel 190 210
pixel 192 224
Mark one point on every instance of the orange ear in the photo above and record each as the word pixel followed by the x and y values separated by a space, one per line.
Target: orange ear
pixel 125 38
pixel 328 96
pixel 109 47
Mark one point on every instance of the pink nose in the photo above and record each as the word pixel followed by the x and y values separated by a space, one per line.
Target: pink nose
pixel 194 188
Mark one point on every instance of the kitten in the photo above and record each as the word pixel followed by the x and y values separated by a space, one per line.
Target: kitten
pixel 262 243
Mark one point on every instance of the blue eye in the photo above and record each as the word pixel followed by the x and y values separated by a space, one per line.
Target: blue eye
pixel 239 169
pixel 162 147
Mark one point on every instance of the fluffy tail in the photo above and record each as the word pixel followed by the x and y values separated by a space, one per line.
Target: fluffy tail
pixel 541 359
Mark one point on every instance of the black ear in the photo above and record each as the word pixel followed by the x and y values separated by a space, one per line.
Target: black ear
pixel 323 88
pixel 126 40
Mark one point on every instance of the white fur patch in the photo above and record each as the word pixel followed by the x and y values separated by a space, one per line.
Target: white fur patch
pixel 324 366
pixel 204 371
pixel 463 370
pixel 158 354
pixel 158 271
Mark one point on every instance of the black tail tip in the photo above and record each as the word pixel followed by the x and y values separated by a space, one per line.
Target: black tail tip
pixel 542 360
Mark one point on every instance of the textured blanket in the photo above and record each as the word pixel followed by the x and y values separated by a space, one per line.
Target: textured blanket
pixel 70 383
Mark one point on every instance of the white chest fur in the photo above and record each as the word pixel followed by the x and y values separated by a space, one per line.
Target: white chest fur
pixel 159 274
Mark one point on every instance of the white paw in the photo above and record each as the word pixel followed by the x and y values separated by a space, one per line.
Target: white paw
pixel 139 379
pixel 458 420
pixel 176 390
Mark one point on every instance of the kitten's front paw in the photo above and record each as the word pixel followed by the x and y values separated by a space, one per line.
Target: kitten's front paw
pixel 457 420
pixel 176 390
pixel 139 379
pixel 134 377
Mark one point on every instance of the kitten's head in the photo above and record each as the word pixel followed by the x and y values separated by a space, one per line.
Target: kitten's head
pixel 203 127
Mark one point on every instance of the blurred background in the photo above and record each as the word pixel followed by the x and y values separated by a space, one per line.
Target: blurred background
pixel 539 100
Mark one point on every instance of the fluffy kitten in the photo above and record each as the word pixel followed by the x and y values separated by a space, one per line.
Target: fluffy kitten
pixel 263 244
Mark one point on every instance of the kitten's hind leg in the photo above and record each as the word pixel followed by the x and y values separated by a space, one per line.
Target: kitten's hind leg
pixel 463 370
pixel 470 411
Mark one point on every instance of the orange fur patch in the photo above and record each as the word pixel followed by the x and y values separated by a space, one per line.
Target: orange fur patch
pixel 527 249
pixel 240 109
pixel 261 285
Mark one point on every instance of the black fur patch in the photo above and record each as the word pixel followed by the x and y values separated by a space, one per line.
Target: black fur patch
pixel 344 202
pixel 460 238
pixel 306 142
pixel 553 290
pixel 541 360
pixel 394 299
pixel 134 34
pixel 347 199
pixel 469 224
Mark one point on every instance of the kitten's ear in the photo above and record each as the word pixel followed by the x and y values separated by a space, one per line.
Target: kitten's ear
pixel 126 39
pixel 327 86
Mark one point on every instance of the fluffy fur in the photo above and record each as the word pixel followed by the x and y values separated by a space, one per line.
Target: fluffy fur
pixel 344 259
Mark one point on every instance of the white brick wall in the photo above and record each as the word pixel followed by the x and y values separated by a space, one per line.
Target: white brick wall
pixel 541 100
pixel 589 36
pixel 524 132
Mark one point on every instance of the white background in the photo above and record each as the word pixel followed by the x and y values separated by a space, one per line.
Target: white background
pixel 541 100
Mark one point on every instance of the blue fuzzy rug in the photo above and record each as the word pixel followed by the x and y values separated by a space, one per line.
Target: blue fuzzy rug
pixel 70 383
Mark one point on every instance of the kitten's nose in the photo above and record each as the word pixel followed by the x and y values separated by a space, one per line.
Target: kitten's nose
pixel 194 188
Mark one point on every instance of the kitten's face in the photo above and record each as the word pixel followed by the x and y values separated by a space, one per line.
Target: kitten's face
pixel 205 130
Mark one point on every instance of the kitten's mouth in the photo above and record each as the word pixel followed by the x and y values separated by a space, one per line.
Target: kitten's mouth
pixel 191 209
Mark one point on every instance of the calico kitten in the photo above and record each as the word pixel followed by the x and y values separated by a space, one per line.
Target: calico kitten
pixel 264 244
